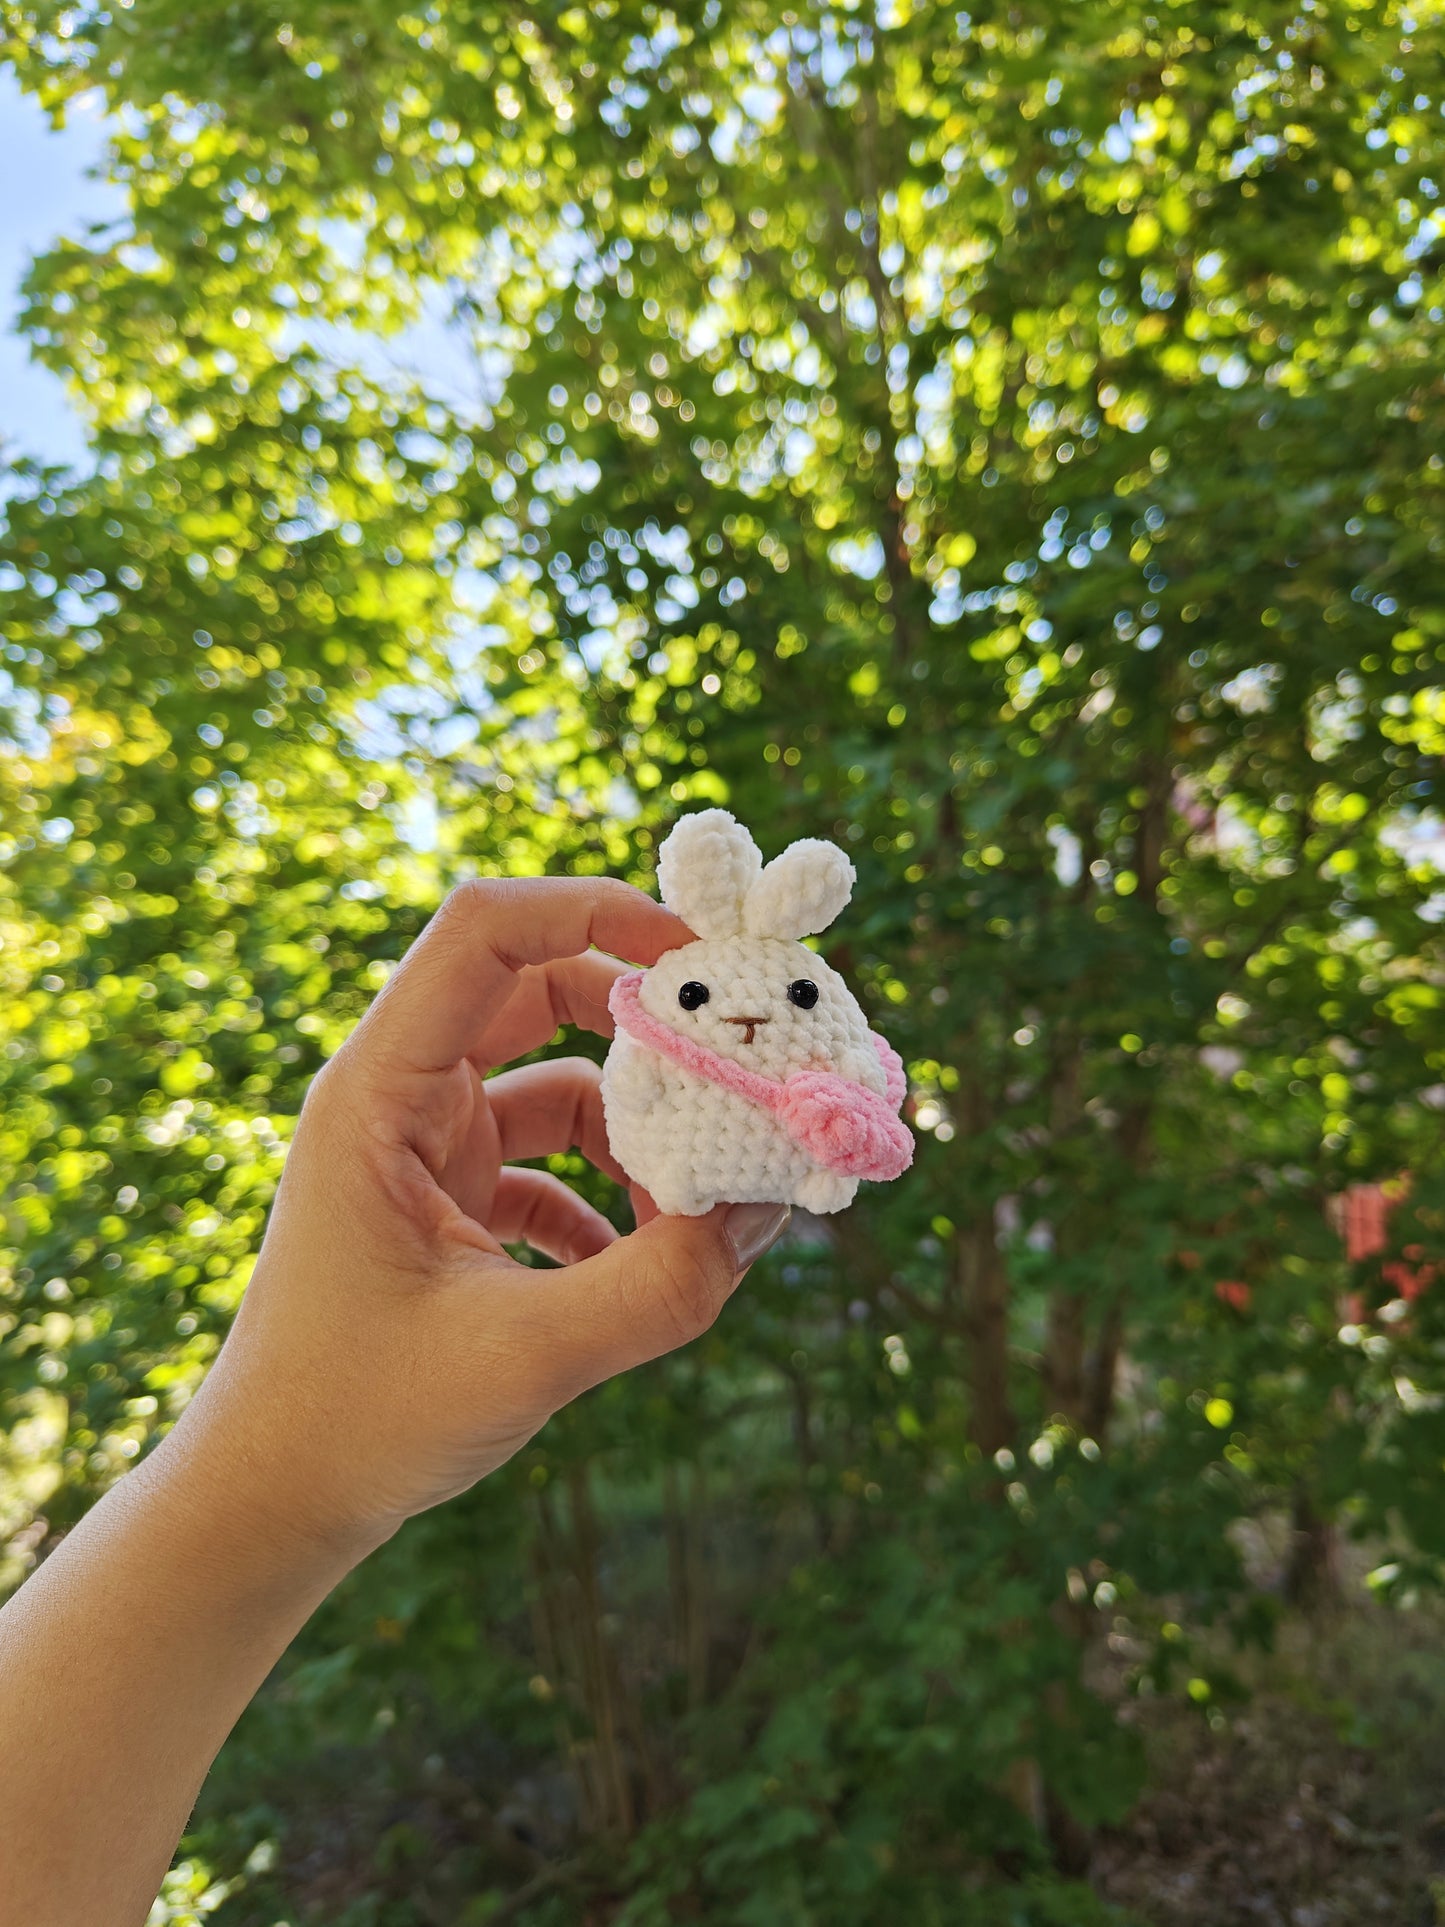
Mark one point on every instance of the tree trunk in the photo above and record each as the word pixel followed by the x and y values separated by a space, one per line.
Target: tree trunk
pixel 1102 1372
pixel 1312 1574
pixel 1064 1356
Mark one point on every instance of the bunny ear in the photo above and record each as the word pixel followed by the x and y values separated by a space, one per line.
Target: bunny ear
pixel 705 869
pixel 800 892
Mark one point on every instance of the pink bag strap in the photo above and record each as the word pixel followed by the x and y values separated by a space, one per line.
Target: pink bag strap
pixel 841 1125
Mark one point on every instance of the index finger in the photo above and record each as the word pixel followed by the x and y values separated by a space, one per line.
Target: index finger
pixel 545 997
pixel 439 1002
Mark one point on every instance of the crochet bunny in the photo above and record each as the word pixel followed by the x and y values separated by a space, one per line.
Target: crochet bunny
pixel 742 1068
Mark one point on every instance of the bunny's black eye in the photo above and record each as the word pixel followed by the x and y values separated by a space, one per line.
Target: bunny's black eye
pixel 693 996
pixel 803 993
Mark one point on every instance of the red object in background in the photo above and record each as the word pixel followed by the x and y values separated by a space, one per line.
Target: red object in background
pixel 1366 1213
pixel 1409 1280
pixel 1362 1217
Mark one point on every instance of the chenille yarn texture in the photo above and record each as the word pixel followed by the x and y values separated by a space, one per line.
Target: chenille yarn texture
pixel 743 1069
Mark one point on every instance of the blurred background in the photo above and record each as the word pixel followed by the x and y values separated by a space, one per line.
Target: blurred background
pixel 1007 441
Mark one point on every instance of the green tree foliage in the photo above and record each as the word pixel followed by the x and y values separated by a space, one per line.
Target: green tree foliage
pixel 1004 440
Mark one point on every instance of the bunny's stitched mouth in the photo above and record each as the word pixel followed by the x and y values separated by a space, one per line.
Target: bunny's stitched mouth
pixel 751 1022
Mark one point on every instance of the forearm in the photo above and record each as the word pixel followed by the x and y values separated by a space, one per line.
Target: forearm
pixel 125 1660
pixel 388 1353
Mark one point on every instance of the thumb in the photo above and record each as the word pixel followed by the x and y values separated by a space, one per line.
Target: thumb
pixel 656 1289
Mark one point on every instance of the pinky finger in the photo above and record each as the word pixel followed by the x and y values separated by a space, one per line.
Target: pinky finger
pixel 534 1208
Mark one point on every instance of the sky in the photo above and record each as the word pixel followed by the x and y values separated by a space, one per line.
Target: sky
pixel 44 192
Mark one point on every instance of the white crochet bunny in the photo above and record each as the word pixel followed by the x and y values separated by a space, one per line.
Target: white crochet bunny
pixel 743 1069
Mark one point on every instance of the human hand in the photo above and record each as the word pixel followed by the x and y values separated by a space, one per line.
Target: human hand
pixel 388 1352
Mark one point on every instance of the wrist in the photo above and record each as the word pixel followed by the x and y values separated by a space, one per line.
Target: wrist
pixel 237 1497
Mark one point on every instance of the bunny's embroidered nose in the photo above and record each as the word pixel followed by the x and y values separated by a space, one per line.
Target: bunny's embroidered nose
pixel 751 1022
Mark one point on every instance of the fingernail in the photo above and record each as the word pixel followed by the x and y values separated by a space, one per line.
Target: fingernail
pixel 753 1227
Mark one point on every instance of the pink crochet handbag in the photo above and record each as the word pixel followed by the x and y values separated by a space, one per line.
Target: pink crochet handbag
pixel 841 1125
